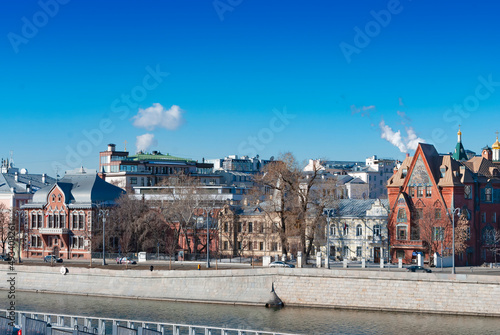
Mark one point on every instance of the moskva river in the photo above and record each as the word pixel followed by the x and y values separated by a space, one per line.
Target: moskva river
pixel 288 319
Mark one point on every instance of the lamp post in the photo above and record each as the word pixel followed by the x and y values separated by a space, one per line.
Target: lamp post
pixel 104 214
pixel 208 243
pixel 453 211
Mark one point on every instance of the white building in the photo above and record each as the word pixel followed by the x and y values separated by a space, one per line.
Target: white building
pixel 375 173
pixel 358 229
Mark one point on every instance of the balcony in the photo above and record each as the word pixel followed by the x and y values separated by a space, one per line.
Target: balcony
pixel 53 231
pixel 410 244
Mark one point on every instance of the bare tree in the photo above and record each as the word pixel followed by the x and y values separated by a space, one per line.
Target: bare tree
pixel 4 226
pixel 297 200
pixel 492 241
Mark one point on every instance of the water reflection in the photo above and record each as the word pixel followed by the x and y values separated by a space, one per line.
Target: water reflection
pixel 288 319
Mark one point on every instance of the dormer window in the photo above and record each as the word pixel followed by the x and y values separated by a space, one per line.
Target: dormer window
pixel 404 172
pixel 443 171
pixel 59 198
pixel 53 198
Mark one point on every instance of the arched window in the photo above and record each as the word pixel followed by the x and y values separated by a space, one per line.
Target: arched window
pixel 359 230
pixel 59 198
pixel 53 197
pixel 346 229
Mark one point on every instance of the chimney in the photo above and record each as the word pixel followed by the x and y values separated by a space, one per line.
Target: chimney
pixel 16 176
pixel 44 178
pixel 111 147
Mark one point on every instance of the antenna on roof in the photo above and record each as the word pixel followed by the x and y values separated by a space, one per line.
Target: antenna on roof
pixel 57 174
pixel 125 142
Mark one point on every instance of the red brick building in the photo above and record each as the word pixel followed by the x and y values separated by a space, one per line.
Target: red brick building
pixel 424 191
pixel 62 216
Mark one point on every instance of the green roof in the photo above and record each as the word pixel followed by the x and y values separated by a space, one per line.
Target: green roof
pixel 459 153
pixel 157 157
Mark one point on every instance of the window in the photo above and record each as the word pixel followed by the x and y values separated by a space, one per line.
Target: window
pixel 261 245
pixel 401 215
pixel 53 198
pixel 81 222
pixel 346 229
pixel 437 213
pixel 40 220
pixel 51 221
pixel 36 241
pixel 443 171
pixel 487 194
pixel 77 242
pixel 332 231
pixel 468 192
pixel 359 230
pixel 33 220
pixel 494 217
pixel 75 221
pixel 239 245
pixel 225 227
pixel 410 191
pixel 401 232
pixel 274 246
pixel 376 230
pixel 240 227
pixel 420 191
pixel 345 251
pixel 419 213
pixel 358 252
pixel 428 191
pixel 438 233
pixel 133 180
pixel 250 227
pixel 225 245
pixel 59 198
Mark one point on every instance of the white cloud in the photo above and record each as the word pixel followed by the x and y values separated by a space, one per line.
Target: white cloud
pixel 157 116
pixel 144 142
pixel 410 142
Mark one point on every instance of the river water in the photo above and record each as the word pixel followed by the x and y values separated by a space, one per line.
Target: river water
pixel 288 319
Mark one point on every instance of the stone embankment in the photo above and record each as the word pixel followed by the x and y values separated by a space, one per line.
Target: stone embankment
pixel 342 288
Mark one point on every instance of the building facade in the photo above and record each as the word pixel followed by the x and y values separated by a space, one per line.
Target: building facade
pixel 357 229
pixel 430 193
pixel 149 169
pixel 63 216
pixel 247 231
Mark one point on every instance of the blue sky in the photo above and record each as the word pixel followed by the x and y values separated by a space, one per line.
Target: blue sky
pixel 206 79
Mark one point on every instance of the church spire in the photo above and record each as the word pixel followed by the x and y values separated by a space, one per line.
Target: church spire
pixel 459 153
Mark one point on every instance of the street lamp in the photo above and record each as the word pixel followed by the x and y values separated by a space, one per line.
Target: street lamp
pixel 453 211
pixel 208 243
pixel 104 213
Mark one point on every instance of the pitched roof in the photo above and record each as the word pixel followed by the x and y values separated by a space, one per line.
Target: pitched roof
pixel 81 188
pixel 8 181
pixel 355 207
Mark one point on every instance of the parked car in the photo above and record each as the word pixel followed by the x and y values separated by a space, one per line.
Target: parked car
pixel 52 258
pixel 125 260
pixel 416 268
pixel 280 264
pixel 5 258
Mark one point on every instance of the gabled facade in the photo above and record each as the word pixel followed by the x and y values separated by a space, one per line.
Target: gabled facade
pixel 62 216
pixel 423 194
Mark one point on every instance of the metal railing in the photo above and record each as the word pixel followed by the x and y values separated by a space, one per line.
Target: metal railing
pixel 105 326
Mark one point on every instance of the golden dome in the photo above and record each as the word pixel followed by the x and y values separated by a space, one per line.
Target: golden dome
pixel 459 132
pixel 496 145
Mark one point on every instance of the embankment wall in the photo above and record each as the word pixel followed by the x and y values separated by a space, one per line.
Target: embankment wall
pixel 342 288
